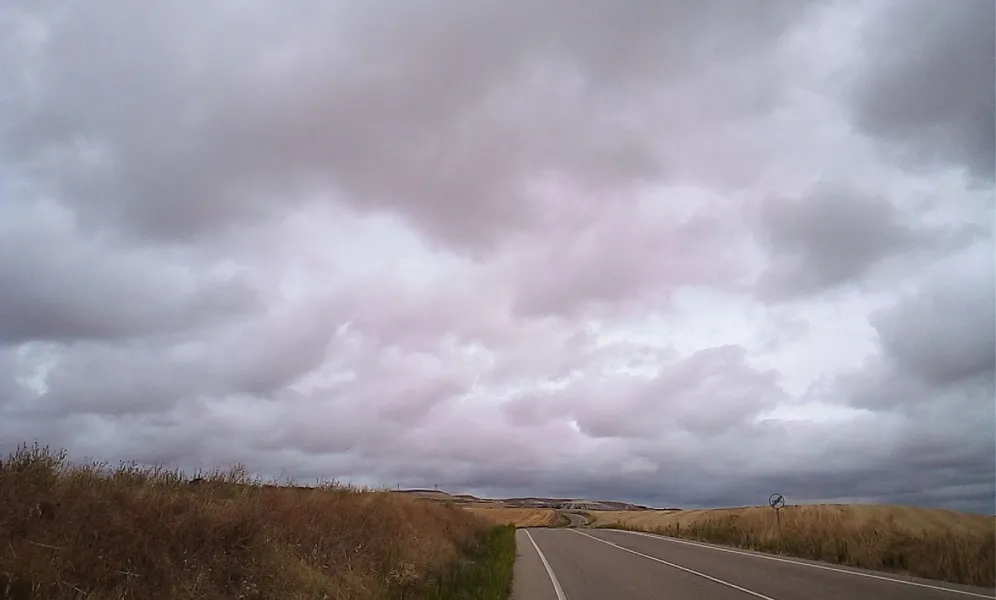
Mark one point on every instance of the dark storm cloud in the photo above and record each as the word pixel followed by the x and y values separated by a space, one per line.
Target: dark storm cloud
pixel 945 333
pixel 58 286
pixel 929 84
pixel 873 459
pixel 255 357
pixel 937 369
pixel 836 235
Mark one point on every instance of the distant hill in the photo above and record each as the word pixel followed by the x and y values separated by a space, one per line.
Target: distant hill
pixel 525 502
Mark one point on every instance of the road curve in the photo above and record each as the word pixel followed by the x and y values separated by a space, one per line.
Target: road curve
pixel 594 564
pixel 576 520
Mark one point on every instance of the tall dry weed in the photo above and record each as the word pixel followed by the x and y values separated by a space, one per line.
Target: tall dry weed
pixel 956 555
pixel 99 532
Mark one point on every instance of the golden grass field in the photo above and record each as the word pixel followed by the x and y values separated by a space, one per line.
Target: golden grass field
pixel 910 518
pixel 932 543
pixel 86 531
pixel 519 517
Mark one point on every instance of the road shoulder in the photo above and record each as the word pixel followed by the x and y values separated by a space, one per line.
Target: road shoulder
pixel 530 580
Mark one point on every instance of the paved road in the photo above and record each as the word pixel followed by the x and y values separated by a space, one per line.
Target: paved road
pixel 575 519
pixel 592 564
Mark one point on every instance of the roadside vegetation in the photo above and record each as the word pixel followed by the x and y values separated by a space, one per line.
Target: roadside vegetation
pixel 934 544
pixel 485 575
pixel 88 531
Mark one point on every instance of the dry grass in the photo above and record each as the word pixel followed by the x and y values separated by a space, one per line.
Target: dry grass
pixel 518 517
pixel 931 543
pixel 86 531
pixel 637 519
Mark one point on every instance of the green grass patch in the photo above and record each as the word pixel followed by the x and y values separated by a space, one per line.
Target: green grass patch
pixel 486 574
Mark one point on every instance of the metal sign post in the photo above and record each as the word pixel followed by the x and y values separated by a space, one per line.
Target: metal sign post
pixel 777 501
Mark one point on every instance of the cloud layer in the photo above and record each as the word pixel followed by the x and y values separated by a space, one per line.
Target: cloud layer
pixel 682 255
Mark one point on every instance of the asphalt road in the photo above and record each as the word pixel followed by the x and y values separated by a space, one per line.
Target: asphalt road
pixel 598 564
pixel 575 519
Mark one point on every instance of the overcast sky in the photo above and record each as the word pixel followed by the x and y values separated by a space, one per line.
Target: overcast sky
pixel 681 253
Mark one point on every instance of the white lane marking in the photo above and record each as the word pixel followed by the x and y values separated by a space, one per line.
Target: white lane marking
pixel 804 564
pixel 679 567
pixel 549 569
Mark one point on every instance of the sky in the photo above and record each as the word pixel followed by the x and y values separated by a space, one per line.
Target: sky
pixel 683 254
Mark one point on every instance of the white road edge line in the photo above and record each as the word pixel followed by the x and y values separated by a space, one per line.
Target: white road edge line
pixel 679 567
pixel 549 569
pixel 805 564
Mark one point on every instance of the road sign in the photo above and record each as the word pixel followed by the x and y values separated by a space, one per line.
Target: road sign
pixel 776 501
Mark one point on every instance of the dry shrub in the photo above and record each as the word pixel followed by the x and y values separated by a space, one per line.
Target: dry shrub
pixel 92 532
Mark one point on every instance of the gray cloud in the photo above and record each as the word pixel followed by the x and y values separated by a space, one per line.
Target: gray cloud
pixel 416 110
pixel 703 394
pixel 622 257
pixel 947 332
pixel 59 286
pixel 930 84
pixel 836 236
pixel 635 251
pixel 938 343
pixel 829 238
pixel 937 368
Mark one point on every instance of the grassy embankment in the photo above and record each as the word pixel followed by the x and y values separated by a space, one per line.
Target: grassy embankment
pixel 89 532
pixel 931 543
